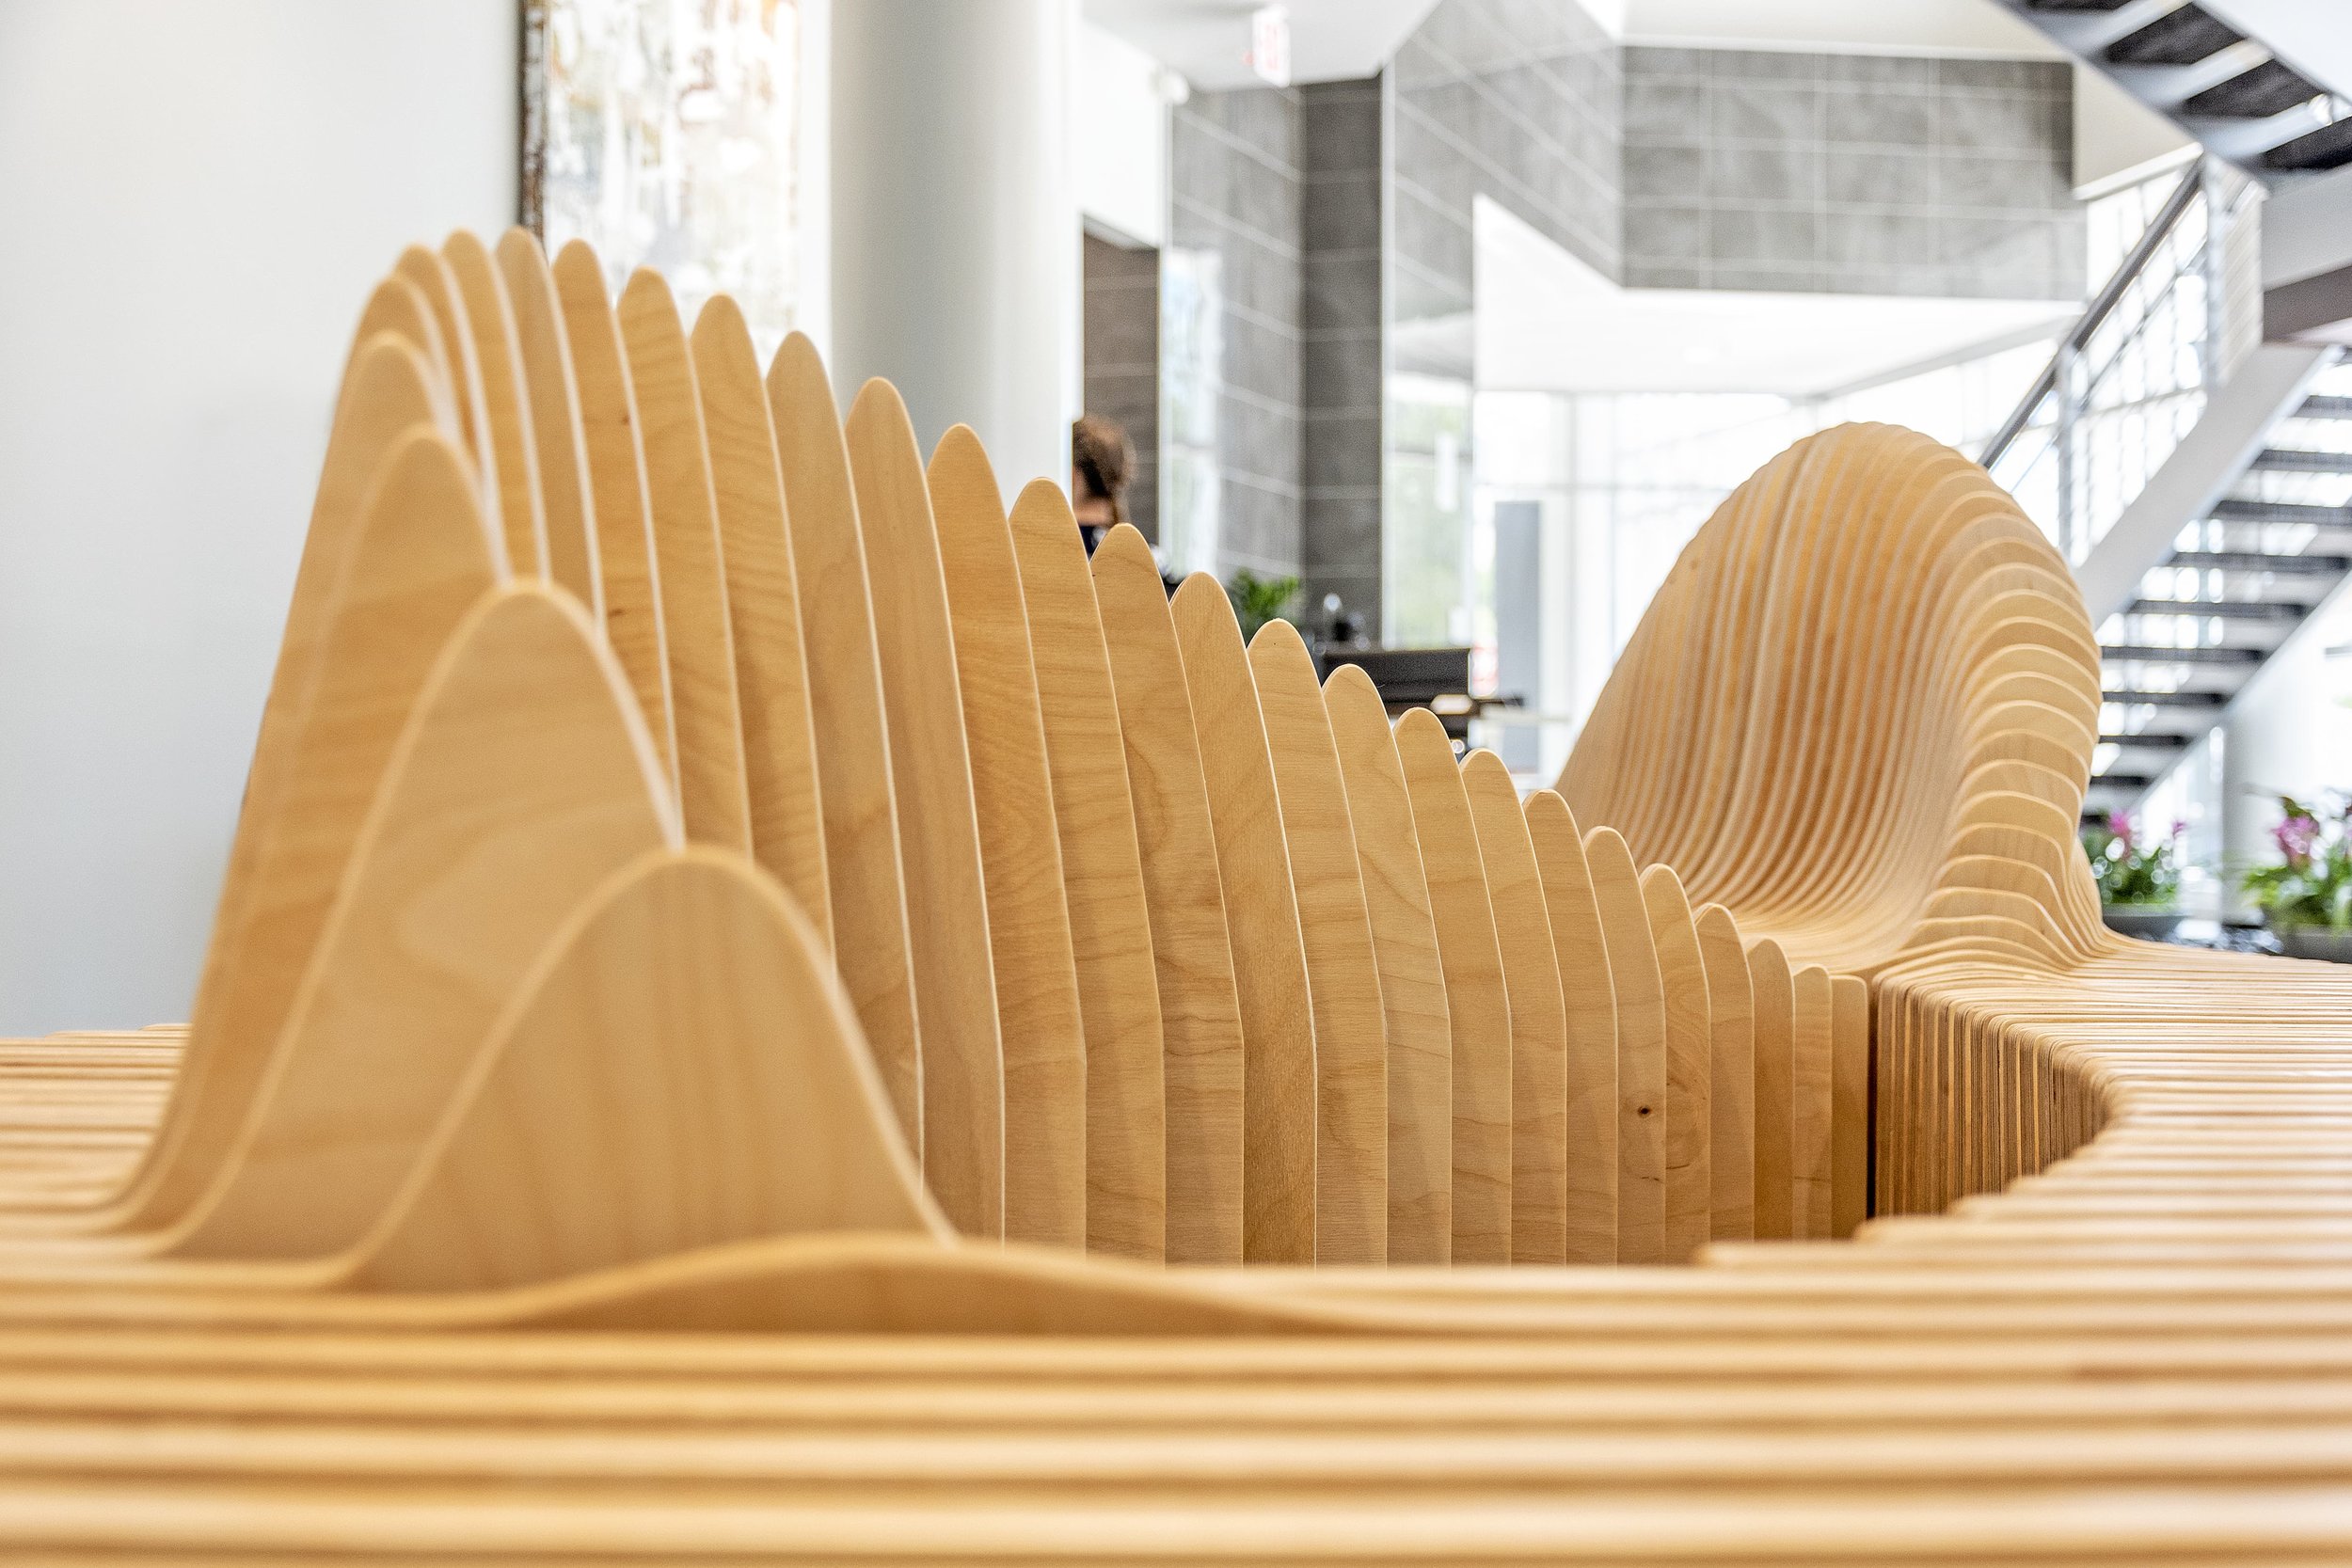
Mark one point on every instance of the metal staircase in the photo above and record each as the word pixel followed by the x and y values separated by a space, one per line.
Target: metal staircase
pixel 2189 64
pixel 2197 480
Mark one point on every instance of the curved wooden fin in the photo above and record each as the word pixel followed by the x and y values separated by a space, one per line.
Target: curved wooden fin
pixel 860 812
pixel 521 781
pixel 1279 1117
pixel 1343 976
pixel 939 834
pixel 566 496
pixel 1539 1025
pixel 772 679
pixel 438 285
pixel 416 563
pixel 1850 1104
pixel 1774 997
pixel 627 574
pixel 1731 1075
pixel 1110 925
pixel 1477 1006
pixel 1641 1048
pixel 1590 1005
pixel 497 356
pixel 713 797
pixel 1199 1008
pixel 1037 1010
pixel 399 307
pixel 1811 1076
pixel 1689 1118
pixel 1412 981
pixel 679 1070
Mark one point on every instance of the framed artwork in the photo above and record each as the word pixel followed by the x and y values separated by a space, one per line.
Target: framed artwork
pixel 669 133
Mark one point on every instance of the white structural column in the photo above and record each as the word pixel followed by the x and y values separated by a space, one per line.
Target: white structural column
pixel 955 219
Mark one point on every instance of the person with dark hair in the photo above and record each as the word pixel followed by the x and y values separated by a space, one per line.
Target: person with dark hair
pixel 1101 460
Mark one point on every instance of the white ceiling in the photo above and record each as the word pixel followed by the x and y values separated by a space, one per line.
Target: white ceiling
pixel 1545 321
pixel 1207 41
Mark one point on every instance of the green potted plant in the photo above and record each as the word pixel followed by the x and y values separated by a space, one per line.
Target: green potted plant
pixel 2139 879
pixel 1257 600
pixel 2307 895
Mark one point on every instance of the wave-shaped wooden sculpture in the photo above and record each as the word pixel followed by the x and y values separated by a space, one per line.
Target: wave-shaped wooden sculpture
pixel 723 907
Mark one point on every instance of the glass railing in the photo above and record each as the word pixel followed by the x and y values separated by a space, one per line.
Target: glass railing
pixel 2132 376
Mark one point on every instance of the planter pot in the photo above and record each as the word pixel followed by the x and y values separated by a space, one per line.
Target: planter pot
pixel 2150 923
pixel 2314 942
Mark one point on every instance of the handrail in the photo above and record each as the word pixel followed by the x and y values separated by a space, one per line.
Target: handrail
pixel 2094 316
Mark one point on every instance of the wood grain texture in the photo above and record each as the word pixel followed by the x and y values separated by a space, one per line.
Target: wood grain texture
pixel 1110 924
pixel 1199 1008
pixel 1539 1027
pixel 1477 1005
pixel 628 573
pixel 1850 1103
pixel 713 793
pixel 1811 1076
pixel 772 678
pixel 1589 1005
pixel 721 1094
pixel 1690 1047
pixel 1342 973
pixel 1029 919
pixel 433 278
pixel 939 836
pixel 506 400
pixel 566 494
pixel 1731 1075
pixel 1412 978
pixel 1278 1115
pixel 399 308
pixel 1640 984
pixel 490 829
pixel 862 857
pixel 1774 1045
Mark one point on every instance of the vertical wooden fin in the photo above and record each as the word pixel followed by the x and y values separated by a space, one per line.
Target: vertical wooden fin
pixel 398 307
pixel 1775 1025
pixel 1539 1025
pixel 498 356
pixel 433 278
pixel 1689 1120
pixel 1476 1004
pixel 522 781
pixel 692 577
pixel 1110 925
pixel 772 679
pixel 679 1070
pixel 416 561
pixel 869 911
pixel 1262 917
pixel 627 574
pixel 1029 919
pixel 1342 974
pixel 1412 981
pixel 1812 1073
pixel 1634 970
pixel 1731 1075
pixel 1850 1103
pixel 1200 1010
pixel 939 838
pixel 1590 1005
pixel 566 496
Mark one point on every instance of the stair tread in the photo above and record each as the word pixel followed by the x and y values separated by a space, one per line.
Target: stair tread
pixel 2163 738
pixel 2330 147
pixel 2121 781
pixel 2224 609
pixel 2323 407
pixel 2178 37
pixel 2259 561
pixel 2233 510
pixel 2269 88
pixel 2302 461
pixel 2147 654
pixel 2166 699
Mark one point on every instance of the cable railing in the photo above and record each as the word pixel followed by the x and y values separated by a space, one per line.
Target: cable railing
pixel 2130 378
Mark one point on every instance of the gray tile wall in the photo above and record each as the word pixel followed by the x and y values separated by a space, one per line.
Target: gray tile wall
pixel 1237 189
pixel 1849 174
pixel 1340 376
pixel 1518 98
pixel 1122 361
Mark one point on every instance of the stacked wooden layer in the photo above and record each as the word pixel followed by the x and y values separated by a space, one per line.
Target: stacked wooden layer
pixel 707 874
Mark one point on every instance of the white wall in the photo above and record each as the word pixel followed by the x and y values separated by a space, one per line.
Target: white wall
pixel 2289 731
pixel 1119 137
pixel 196 198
